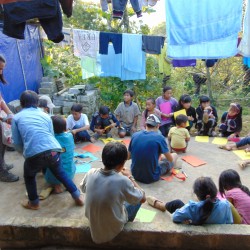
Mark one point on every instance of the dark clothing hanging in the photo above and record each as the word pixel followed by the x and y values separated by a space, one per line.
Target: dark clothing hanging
pixel 152 44
pixel 48 12
pixel 184 63
pixel 67 7
pixel 105 38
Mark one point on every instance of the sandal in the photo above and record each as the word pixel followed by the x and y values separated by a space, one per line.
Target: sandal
pixel 152 201
pixel 26 204
pixel 44 194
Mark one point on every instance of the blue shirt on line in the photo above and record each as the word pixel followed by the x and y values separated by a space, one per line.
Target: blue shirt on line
pixel 32 130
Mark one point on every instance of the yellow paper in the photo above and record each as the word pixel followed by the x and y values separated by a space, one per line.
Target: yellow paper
pixel 105 141
pixel 219 141
pixel 242 154
pixel 202 138
pixel 181 112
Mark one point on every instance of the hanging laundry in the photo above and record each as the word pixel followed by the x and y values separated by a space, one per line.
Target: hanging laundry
pixel 184 63
pixel 48 12
pixel 111 63
pixel 147 2
pixel 133 58
pixel 86 43
pixel 119 7
pixel 192 22
pixel 90 67
pixel 152 44
pixel 164 63
pixel 106 38
pixel 244 46
pixel 104 5
pixel 221 48
pixel 67 7
pixel 210 62
pixel 246 61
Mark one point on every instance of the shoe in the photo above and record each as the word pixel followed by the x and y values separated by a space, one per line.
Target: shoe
pixel 5 176
pixel 79 201
pixel 26 204
pixel 8 166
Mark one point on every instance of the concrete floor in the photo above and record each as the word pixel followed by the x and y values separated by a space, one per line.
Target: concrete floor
pixel 60 208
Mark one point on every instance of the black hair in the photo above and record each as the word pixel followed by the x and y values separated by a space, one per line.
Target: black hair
pixel 166 88
pixel 204 98
pixel 153 102
pixel 42 103
pixel 59 124
pixel 104 110
pixel 181 119
pixel 184 99
pixel 114 154
pixel 2 79
pixel 230 179
pixel 29 99
pixel 129 91
pixel 206 191
pixel 76 107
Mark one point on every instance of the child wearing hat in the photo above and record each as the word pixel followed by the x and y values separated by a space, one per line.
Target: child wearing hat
pixel 231 121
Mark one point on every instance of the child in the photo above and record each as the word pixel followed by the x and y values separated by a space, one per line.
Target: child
pixel 66 141
pixel 102 123
pixel 185 103
pixel 179 136
pixel 33 135
pixel 78 123
pixel 127 113
pixel 112 199
pixel 231 121
pixel 207 117
pixel 239 195
pixel 166 104
pixel 150 109
pixel 208 210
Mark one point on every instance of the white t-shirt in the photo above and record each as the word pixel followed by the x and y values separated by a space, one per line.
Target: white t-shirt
pixel 106 192
pixel 82 122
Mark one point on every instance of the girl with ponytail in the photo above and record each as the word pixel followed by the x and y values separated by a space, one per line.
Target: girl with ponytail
pixel 231 188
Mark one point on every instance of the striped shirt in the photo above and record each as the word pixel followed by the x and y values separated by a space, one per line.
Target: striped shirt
pixel 241 201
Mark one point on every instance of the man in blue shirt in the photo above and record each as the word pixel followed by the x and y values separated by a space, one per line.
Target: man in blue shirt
pixel 33 134
pixel 146 148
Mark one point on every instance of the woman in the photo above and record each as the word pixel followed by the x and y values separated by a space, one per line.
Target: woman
pixel 5 175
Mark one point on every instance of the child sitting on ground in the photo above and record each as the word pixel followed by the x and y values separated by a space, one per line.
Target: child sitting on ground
pixel 150 109
pixel 166 104
pixel 239 195
pixel 185 103
pixel 112 199
pixel 208 210
pixel 127 113
pixel 179 136
pixel 231 121
pixel 207 117
pixel 66 141
pixel 102 123
pixel 78 124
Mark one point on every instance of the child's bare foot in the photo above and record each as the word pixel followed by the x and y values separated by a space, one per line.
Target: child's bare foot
pixel 226 147
pixel 57 189
pixel 152 201
pixel 79 201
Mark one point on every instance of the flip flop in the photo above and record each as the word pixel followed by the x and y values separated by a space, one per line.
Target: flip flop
pixel 44 194
pixel 152 201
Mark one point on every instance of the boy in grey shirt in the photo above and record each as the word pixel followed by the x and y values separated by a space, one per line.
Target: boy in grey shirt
pixel 112 199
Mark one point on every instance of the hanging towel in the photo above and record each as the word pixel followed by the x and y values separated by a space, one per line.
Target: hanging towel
pixel 133 58
pixel 106 38
pixel 184 63
pixel 86 43
pixel 111 63
pixel 222 48
pixel 164 64
pixel 196 21
pixel 244 47
pixel 152 44
pixel 90 67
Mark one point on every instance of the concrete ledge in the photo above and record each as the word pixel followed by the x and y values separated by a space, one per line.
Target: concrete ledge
pixel 38 232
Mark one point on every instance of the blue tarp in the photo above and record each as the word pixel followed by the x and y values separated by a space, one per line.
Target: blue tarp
pixel 23 68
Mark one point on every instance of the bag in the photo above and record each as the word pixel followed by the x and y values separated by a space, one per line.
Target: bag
pixel 6 134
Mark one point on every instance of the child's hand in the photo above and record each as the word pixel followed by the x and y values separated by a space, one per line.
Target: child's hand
pixel 100 131
pixel 74 131
pixel 126 172
pixel 133 129
pixel 170 114
pixel 190 118
pixel 113 125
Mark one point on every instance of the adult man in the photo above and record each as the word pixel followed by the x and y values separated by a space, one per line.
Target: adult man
pixel 146 148
pixel 32 132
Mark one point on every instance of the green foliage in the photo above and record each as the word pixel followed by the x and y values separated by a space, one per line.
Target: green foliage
pixel 159 30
